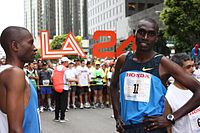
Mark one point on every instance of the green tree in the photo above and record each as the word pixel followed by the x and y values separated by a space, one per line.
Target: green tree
pixel 37 54
pixel 160 45
pixel 182 23
pixel 58 41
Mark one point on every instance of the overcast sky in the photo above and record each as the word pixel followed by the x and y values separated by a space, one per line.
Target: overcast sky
pixel 11 13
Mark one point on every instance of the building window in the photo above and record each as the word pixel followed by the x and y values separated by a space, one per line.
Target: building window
pixel 100 17
pixel 110 25
pixel 149 5
pixel 106 15
pixel 97 19
pixel 141 6
pixel 132 6
pixel 109 2
pixel 97 9
pixel 121 6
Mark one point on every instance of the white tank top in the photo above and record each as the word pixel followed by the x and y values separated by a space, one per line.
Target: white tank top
pixel 177 98
pixel 3 116
pixel 3 123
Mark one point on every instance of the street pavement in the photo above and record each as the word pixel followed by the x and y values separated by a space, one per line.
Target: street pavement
pixel 80 121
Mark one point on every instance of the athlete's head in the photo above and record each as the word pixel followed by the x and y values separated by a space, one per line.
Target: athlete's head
pixel 146 34
pixel 185 61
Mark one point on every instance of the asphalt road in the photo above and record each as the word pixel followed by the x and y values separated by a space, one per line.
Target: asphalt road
pixel 80 121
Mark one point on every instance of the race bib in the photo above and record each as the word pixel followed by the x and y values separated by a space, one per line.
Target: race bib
pixel 45 82
pixel 194 117
pixel 137 86
pixel 99 80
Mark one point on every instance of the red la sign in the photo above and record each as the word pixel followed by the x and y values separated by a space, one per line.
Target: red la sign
pixel 71 47
pixel 110 44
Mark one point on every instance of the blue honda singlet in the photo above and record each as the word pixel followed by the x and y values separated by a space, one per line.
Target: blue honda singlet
pixel 31 122
pixel 141 90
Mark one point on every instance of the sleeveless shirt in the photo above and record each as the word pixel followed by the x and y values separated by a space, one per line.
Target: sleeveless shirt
pixel 141 90
pixel 189 123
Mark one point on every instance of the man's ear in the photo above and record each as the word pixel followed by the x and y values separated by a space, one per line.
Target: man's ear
pixel 14 46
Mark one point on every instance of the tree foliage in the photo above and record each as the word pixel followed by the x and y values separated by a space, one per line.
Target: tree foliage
pixel 37 54
pixel 182 23
pixel 58 41
pixel 160 45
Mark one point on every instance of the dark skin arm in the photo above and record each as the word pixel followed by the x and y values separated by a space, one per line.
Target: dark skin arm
pixel 168 110
pixel 167 69
pixel 115 92
pixel 15 90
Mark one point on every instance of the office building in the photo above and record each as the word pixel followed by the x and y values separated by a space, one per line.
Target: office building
pixel 104 14
pixel 39 15
pixel 135 6
pixel 31 15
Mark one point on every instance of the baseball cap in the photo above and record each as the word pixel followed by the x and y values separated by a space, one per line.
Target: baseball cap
pixel 65 59
pixel 26 64
pixel 97 62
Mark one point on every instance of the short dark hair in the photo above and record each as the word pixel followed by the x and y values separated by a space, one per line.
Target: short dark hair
pixel 180 58
pixel 88 62
pixel 11 33
pixel 151 21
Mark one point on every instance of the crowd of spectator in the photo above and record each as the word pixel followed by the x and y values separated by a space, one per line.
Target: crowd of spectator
pixel 90 89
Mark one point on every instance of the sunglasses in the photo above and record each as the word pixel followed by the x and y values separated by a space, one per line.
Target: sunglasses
pixel 145 33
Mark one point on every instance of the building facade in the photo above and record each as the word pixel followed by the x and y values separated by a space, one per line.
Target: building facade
pixel 57 16
pixel 67 16
pixel 39 15
pixel 31 15
pixel 104 14
pixel 84 18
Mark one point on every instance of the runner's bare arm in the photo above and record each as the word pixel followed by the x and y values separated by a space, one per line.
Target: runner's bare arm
pixel 15 87
pixel 171 68
pixel 115 85
pixel 115 91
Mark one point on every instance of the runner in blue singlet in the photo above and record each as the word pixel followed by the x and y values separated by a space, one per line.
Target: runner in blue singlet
pixel 141 76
